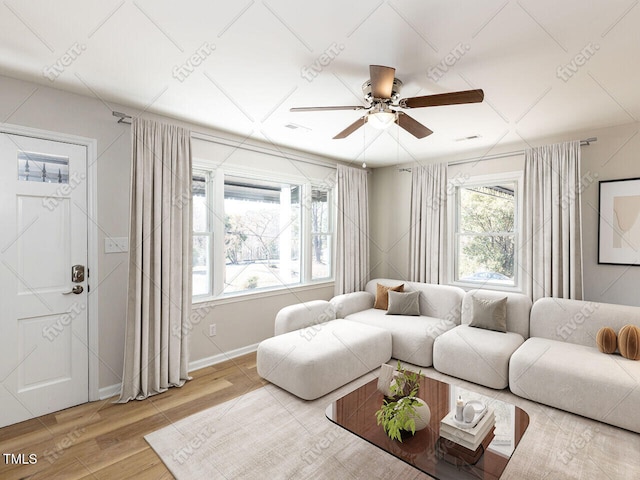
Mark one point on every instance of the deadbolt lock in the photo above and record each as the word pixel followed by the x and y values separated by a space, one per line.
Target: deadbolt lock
pixel 77 273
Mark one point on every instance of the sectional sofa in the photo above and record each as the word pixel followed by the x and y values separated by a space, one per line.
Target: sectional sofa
pixel 561 366
pixel 546 352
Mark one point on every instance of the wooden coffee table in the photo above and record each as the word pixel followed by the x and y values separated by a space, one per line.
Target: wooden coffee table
pixel 425 450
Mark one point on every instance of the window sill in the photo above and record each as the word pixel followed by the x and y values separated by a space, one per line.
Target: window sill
pixel 466 286
pixel 244 296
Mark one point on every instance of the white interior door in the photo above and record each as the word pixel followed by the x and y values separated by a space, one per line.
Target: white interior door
pixel 43 310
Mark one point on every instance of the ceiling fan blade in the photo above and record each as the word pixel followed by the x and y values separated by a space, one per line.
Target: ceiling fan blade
pixel 453 98
pixel 319 109
pixel 351 128
pixel 412 126
pixel 381 81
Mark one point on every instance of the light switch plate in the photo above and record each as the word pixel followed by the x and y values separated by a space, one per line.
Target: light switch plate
pixel 116 245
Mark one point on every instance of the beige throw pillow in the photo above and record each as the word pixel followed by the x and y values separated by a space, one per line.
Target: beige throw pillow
pixel 404 303
pixel 382 295
pixel 489 314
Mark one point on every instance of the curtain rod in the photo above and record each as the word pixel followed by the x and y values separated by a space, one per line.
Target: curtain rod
pixel 122 117
pixel 207 137
pixel 583 143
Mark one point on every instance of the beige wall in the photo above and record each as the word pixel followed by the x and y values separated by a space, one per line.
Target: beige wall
pixel 239 323
pixel 389 210
pixel 245 322
pixel 614 155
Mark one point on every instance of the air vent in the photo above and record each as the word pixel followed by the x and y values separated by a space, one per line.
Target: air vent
pixel 470 137
pixel 295 126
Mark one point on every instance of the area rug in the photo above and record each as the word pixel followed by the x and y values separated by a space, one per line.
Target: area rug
pixel 269 433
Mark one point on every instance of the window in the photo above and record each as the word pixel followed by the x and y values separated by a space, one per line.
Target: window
pixel 267 238
pixel 485 233
pixel 202 234
pixel 262 234
pixel 321 234
pixel 42 167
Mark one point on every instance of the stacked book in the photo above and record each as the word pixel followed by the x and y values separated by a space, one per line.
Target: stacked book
pixel 466 443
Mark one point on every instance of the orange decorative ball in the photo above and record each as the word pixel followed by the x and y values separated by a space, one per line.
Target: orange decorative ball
pixel 607 340
pixel 629 342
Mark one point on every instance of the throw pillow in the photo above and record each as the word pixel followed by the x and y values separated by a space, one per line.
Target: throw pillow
pixel 489 314
pixel 629 342
pixel 607 340
pixel 382 295
pixel 404 303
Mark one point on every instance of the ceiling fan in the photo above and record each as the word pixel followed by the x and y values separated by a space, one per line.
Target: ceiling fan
pixel 382 93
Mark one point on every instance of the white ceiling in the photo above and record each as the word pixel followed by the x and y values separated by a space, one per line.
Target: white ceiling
pixel 128 51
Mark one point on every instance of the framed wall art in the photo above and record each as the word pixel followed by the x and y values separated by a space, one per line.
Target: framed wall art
pixel 619 222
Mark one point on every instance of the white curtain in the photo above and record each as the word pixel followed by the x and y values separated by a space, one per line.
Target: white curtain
pixel 428 223
pixel 352 245
pixel 552 221
pixel 156 354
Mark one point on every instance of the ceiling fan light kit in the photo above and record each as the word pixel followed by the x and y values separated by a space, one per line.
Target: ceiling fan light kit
pixel 381 117
pixel 381 93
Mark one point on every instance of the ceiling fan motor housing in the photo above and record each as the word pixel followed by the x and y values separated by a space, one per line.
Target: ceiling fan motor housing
pixel 395 92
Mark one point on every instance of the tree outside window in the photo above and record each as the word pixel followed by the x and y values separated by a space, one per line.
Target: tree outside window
pixel 486 234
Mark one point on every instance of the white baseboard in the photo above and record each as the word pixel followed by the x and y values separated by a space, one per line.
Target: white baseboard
pixel 111 390
pixel 221 357
pixel 108 392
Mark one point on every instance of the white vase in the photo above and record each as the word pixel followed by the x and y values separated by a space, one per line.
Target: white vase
pixel 422 413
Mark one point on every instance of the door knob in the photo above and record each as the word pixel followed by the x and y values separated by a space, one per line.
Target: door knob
pixel 77 290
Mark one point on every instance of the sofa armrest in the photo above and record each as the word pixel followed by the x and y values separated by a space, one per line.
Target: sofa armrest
pixel 351 303
pixel 302 315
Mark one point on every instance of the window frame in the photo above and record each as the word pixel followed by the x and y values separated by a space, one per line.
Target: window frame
pixel 453 213
pixel 329 232
pixel 216 184
pixel 209 229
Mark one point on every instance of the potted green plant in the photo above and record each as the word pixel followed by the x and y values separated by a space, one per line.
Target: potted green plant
pixel 403 412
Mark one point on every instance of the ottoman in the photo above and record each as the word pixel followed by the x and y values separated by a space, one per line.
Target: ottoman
pixel 316 360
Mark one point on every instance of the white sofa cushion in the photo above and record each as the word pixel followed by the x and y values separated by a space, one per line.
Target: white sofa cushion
pixel 475 354
pixel 578 379
pixel 437 301
pixel 303 315
pixel 349 303
pixel 578 322
pixel 412 336
pixel 313 362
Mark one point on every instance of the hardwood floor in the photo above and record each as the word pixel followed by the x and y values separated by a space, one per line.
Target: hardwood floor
pixel 103 440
